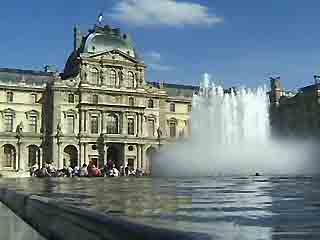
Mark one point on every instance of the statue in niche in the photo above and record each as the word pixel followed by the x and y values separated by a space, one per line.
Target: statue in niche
pixel 101 77
pixel 120 74
pixel 59 129
pixel 19 129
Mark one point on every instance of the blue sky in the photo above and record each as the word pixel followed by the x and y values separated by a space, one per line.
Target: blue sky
pixel 237 42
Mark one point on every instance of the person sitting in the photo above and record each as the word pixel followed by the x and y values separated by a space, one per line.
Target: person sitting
pixel 76 171
pixel 114 172
pixel 33 169
pixel 94 171
pixel 84 171
pixel 43 172
pixel 132 171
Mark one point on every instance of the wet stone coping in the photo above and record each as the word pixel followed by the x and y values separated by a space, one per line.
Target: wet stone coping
pixel 56 220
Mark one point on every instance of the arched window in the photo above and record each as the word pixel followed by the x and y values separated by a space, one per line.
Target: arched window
pixel 131 101
pixel 71 98
pixel 173 128
pixel 130 80
pixel 172 107
pixel 150 103
pixel 112 124
pixel 95 76
pixel 113 78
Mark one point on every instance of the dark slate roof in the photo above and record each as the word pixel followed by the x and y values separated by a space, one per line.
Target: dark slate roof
pixel 176 90
pixel 29 76
pixel 309 88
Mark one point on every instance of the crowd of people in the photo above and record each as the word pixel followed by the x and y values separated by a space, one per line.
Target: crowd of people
pixel 90 170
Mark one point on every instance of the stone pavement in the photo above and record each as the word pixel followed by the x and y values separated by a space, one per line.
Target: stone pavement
pixel 13 228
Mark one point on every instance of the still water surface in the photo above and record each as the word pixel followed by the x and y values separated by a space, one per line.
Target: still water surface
pixel 224 207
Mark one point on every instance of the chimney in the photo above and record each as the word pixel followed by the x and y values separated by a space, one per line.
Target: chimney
pixel 77 37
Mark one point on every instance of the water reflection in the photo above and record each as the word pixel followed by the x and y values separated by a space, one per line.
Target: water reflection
pixel 225 207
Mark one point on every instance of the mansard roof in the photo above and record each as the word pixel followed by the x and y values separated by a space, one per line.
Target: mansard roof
pixel 28 76
pixel 176 90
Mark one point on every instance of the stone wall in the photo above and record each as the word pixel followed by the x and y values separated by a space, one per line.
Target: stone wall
pixel 56 220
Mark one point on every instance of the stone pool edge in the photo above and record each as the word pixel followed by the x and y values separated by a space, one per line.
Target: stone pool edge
pixel 59 221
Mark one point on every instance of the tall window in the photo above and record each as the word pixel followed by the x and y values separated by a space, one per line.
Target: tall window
pixel 173 129
pixel 95 76
pixel 131 101
pixel 112 124
pixel 94 124
pixel 71 98
pixel 8 122
pixel 95 99
pixel 70 124
pixel 150 103
pixel 33 123
pixel 172 107
pixel 9 155
pixel 130 126
pixel 34 98
pixel 151 127
pixel 113 78
pixel 9 97
pixel 130 80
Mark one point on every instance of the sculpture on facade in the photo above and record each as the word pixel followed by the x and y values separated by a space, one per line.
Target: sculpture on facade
pixel 19 129
pixel 59 129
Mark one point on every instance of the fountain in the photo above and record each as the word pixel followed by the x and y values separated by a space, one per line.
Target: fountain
pixel 231 135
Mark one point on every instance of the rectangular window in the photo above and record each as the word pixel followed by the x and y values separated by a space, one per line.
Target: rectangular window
pixel 130 126
pixel 172 107
pixel 9 97
pixel 94 124
pixel 95 99
pixel 71 98
pixel 151 127
pixel 8 122
pixel 70 124
pixel 34 98
pixel 33 123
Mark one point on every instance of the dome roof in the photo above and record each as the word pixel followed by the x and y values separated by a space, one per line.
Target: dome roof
pixel 101 42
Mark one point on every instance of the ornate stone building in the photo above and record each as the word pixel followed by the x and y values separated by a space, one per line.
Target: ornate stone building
pixel 297 113
pixel 101 107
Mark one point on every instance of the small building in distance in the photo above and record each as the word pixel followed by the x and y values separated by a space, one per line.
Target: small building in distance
pixel 295 113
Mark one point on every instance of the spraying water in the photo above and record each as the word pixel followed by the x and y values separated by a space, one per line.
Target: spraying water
pixel 231 135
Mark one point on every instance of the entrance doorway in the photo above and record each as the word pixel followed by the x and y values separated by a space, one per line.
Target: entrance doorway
pixel 70 156
pixel 113 154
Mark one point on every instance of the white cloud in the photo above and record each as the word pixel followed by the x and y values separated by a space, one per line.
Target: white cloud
pixel 163 12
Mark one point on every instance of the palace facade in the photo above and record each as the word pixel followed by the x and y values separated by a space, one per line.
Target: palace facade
pixel 100 107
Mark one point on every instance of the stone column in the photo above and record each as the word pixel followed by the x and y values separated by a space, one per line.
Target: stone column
pixel 137 129
pixel 103 127
pixel 124 124
pixel 18 165
pixel 40 157
pixel 142 158
pixel 138 156
pixel 85 153
pixel 85 119
pixel 141 124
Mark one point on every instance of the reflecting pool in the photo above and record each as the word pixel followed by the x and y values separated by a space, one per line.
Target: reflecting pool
pixel 224 207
